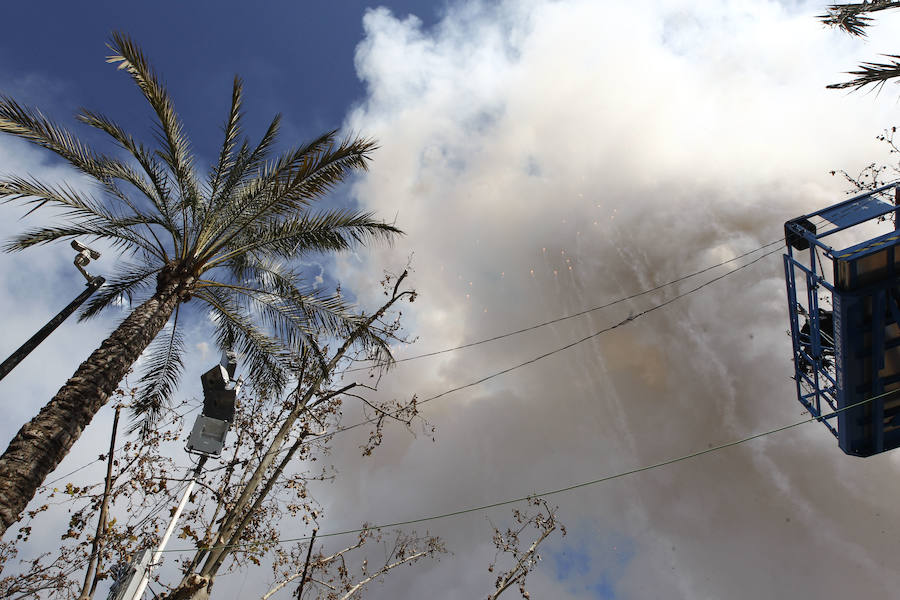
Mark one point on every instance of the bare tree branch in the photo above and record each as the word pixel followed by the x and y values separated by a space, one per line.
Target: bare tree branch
pixel 544 523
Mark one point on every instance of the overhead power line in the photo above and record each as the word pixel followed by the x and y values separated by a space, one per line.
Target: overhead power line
pixel 555 351
pixel 578 485
pixel 535 359
pixel 102 458
pixel 574 315
pixel 567 488
pixel 531 328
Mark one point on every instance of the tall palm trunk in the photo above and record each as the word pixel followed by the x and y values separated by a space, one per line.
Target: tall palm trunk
pixel 44 441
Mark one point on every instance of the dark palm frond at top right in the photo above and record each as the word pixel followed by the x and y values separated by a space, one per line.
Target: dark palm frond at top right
pixel 852 17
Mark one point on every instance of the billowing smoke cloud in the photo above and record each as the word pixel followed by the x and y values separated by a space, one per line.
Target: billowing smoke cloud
pixel 546 157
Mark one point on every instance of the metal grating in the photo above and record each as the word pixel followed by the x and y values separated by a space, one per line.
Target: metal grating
pixel 854 213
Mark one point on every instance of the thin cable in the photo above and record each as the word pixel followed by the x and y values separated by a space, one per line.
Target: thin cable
pixel 70 473
pixel 121 446
pixel 568 488
pixel 560 349
pixel 572 316
pixel 329 435
pixel 551 353
pixel 512 333
pixel 545 355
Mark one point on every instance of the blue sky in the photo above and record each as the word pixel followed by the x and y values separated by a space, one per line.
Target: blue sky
pixel 591 560
pixel 296 59
pixel 542 158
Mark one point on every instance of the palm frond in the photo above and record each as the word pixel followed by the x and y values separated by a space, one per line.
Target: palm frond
pixel 316 176
pixel 116 232
pixel 129 280
pixel 232 129
pixel 869 73
pixel 282 168
pixel 161 375
pixel 157 190
pixel 851 17
pixel 30 124
pixel 246 164
pixel 295 318
pixel 222 207
pixel 271 275
pixel 290 184
pixel 328 231
pixel 33 126
pixel 175 150
pixel 295 313
pixel 306 174
pixel 159 219
pixel 267 360
pixel 75 205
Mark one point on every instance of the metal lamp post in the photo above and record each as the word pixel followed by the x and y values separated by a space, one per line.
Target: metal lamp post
pixel 82 259
pixel 207 440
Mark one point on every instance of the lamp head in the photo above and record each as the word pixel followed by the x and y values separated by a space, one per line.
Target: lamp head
pixel 79 247
pixel 229 362
pixel 219 395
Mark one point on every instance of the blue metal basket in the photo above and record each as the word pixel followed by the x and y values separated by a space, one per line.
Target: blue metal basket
pixel 844 307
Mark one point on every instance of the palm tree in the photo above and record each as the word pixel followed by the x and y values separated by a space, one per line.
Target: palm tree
pixel 224 241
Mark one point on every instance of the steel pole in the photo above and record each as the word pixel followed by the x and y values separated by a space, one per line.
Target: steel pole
pixel 25 349
pixel 896 203
pixel 306 565
pixel 157 555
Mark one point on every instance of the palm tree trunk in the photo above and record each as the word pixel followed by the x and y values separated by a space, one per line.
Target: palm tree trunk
pixel 44 441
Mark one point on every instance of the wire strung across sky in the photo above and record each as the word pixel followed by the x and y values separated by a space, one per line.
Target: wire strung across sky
pixel 516 332
pixel 545 355
pixel 573 315
pixel 554 492
pixel 329 435
pixel 103 457
pixel 554 351
pixel 531 328
pixel 536 359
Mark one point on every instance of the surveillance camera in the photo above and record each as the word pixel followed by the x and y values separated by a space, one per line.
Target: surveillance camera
pixel 229 361
pixel 79 247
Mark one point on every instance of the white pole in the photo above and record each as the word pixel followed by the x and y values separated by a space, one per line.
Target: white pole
pixel 165 539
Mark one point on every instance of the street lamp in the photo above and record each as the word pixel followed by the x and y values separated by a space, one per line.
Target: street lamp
pixel 207 440
pixel 219 396
pixel 82 259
